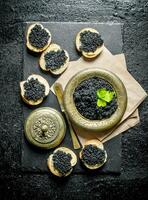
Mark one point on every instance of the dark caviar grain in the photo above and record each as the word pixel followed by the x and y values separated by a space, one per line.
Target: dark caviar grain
pixel 90 41
pixel 34 90
pixel 38 37
pixel 55 59
pixel 62 162
pixel 85 99
pixel 93 155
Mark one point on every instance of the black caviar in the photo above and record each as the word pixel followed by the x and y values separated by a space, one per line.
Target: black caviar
pixel 90 41
pixel 55 59
pixel 33 89
pixel 93 155
pixel 85 99
pixel 62 162
pixel 38 37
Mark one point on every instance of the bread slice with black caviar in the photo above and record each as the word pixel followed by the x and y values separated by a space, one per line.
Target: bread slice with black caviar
pixel 61 162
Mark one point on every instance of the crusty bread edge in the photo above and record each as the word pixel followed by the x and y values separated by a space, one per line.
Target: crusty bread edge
pixel 53 47
pixel 99 145
pixel 41 80
pixel 88 54
pixel 51 166
pixel 32 48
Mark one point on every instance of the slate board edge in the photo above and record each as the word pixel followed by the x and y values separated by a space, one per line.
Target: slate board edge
pixel 38 170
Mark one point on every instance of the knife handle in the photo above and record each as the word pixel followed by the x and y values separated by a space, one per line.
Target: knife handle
pixel 74 138
pixel 59 93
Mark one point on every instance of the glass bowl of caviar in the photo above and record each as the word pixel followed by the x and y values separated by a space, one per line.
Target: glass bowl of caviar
pixel 95 100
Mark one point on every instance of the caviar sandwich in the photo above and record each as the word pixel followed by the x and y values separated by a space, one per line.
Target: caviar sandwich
pixel 62 161
pixel 38 38
pixel 93 155
pixel 54 59
pixel 34 89
pixel 89 42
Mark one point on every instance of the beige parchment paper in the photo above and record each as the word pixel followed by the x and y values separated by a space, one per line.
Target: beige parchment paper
pixel 135 92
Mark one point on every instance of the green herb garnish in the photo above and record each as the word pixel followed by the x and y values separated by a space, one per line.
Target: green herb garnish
pixel 101 103
pixel 104 96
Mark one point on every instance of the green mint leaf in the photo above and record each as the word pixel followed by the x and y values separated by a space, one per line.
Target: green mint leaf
pixel 105 95
pixel 109 96
pixel 101 93
pixel 101 103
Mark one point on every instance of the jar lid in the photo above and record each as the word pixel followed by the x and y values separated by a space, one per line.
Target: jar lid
pixel 45 127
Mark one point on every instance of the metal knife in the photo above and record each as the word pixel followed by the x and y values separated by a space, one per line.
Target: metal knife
pixel 59 93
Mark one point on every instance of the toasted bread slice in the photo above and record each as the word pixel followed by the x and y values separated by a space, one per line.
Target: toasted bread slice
pixel 51 165
pixel 53 47
pixel 88 54
pixel 32 48
pixel 41 80
pixel 98 144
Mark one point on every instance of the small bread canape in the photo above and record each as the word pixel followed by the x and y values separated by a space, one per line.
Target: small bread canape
pixel 54 59
pixel 93 155
pixel 38 38
pixel 61 162
pixel 34 89
pixel 89 42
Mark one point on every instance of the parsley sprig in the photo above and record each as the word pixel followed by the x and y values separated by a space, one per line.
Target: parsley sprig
pixel 104 96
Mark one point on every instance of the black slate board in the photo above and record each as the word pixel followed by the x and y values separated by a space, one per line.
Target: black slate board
pixel 33 159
